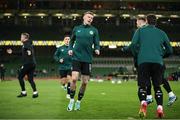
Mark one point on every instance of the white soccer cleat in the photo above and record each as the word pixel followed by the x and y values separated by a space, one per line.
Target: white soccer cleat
pixel 172 100
pixel 77 105
pixel 70 105
pixel 68 96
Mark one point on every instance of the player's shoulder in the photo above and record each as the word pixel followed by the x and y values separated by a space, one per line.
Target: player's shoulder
pixel 28 44
pixel 77 26
pixel 160 31
pixel 60 47
pixel 94 28
pixel 137 30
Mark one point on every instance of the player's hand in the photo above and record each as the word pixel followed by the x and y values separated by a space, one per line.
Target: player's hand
pixel 9 51
pixel 122 49
pixel 70 52
pixel 28 52
pixel 97 52
pixel 61 60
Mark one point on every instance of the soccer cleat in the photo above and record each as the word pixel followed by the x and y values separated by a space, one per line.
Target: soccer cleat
pixel 77 105
pixel 68 96
pixel 149 101
pixel 160 113
pixel 21 95
pixel 171 100
pixel 35 95
pixel 65 88
pixel 143 110
pixel 70 105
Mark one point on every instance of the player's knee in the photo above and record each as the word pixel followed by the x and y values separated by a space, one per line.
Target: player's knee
pixel 157 88
pixel 73 81
pixel 85 82
pixel 74 78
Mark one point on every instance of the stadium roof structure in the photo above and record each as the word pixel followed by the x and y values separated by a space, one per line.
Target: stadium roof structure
pixel 116 0
pixel 102 8
pixel 78 13
pixel 127 0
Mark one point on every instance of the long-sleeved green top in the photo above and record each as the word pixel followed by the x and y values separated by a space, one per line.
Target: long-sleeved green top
pixel 82 40
pixel 62 53
pixel 150 44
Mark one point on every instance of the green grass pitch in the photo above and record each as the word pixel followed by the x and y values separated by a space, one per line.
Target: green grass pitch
pixel 101 101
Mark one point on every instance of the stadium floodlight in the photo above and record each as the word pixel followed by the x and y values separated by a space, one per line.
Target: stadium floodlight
pixel 58 14
pixel 174 16
pixel 141 15
pixel 159 16
pixel 108 15
pixel 95 15
pixel 75 15
pixel 112 46
pixel 41 14
pixel 25 14
pixel 125 15
pixel 7 14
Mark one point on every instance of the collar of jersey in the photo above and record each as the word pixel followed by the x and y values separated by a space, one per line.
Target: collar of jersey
pixel 85 25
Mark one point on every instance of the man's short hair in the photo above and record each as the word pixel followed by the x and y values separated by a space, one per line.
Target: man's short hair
pixel 89 12
pixel 66 35
pixel 26 35
pixel 151 19
pixel 141 18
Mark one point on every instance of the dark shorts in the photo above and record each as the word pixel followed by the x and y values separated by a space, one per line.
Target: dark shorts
pixel 27 69
pixel 83 67
pixel 148 72
pixel 64 73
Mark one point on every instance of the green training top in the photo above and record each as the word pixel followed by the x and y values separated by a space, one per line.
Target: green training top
pixel 82 40
pixel 152 44
pixel 62 53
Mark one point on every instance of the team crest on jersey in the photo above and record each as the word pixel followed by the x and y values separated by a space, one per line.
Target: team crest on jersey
pixel 91 32
pixel 79 31
pixel 62 50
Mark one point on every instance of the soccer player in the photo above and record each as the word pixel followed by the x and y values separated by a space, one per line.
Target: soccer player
pixel 141 21
pixel 65 64
pixel 172 97
pixel 150 40
pixel 2 71
pixel 28 67
pixel 81 48
pixel 167 87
